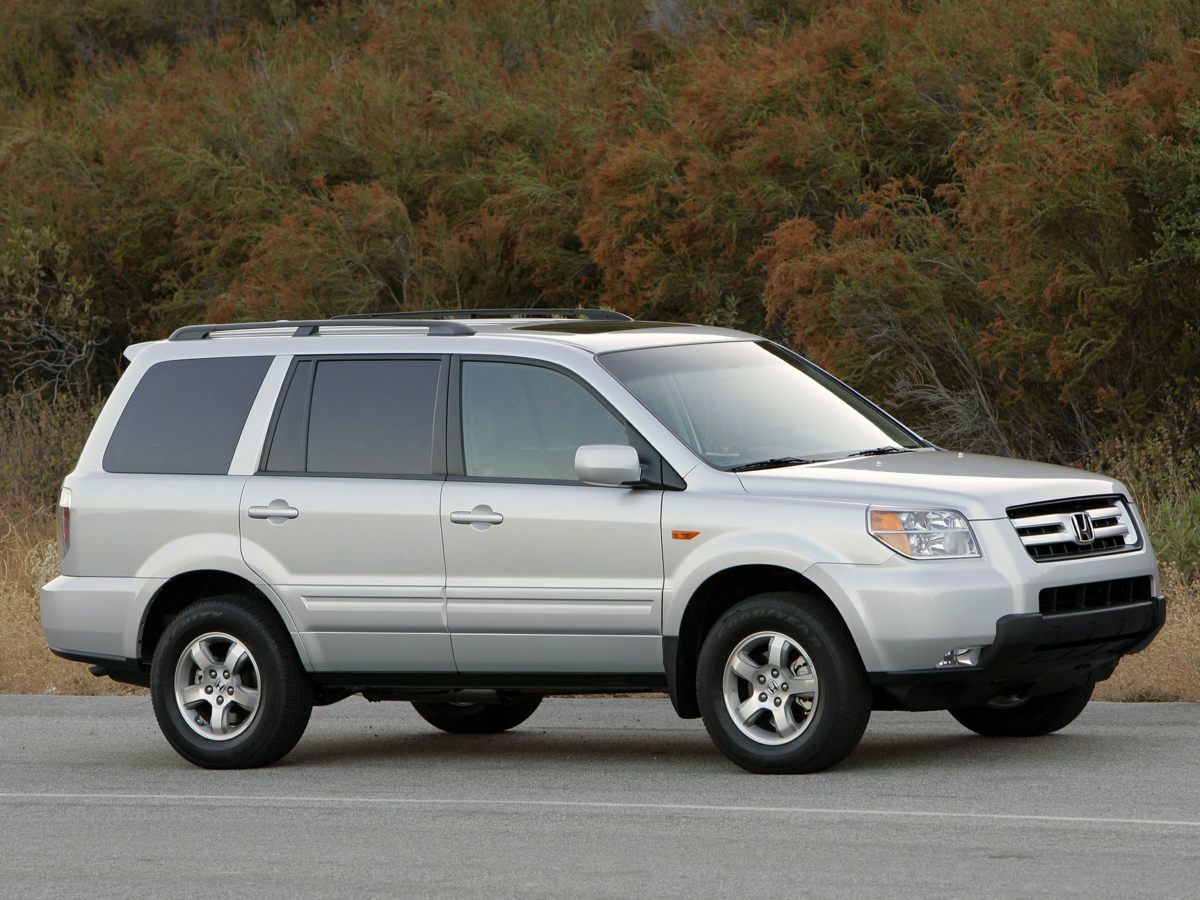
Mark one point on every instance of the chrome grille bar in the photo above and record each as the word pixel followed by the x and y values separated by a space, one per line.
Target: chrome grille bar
pixel 1071 528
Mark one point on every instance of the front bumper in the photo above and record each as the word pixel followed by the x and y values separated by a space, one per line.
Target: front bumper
pixel 1032 654
pixel 905 614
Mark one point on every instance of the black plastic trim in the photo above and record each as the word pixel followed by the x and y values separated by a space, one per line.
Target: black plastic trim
pixel 685 707
pixel 1095 594
pixel 118 668
pixel 312 327
pixel 1054 507
pixel 1033 654
pixel 549 683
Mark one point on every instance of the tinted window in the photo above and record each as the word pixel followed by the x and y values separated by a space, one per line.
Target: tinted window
pixel 185 416
pixel 291 428
pixel 527 421
pixel 373 416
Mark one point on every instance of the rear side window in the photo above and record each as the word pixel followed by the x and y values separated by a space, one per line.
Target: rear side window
pixel 185 416
pixel 358 417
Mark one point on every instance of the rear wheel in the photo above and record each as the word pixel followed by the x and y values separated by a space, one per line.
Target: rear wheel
pixel 1032 717
pixel 227 685
pixel 479 718
pixel 781 686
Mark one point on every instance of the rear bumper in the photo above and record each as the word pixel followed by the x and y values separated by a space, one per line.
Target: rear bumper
pixel 95 619
pixel 1032 654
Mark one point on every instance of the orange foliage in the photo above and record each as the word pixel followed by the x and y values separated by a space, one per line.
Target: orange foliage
pixel 975 212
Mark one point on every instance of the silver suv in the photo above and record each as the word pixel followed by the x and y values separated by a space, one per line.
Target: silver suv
pixel 474 509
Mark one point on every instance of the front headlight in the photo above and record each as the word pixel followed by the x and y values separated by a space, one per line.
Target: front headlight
pixel 923 533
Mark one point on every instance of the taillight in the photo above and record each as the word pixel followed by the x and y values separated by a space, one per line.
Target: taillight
pixel 64 522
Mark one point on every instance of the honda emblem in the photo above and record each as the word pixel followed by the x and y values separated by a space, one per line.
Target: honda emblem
pixel 1084 532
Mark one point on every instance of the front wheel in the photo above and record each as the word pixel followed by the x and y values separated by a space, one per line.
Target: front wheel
pixel 781 686
pixel 228 688
pixel 479 718
pixel 1033 717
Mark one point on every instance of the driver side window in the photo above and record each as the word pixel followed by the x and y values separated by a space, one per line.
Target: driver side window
pixel 523 421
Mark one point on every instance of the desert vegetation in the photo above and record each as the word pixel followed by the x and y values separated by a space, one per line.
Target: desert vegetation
pixel 984 215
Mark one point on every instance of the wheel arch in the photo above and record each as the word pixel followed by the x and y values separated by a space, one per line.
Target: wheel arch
pixel 708 602
pixel 185 588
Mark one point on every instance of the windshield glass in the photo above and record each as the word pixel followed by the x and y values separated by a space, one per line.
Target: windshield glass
pixel 743 402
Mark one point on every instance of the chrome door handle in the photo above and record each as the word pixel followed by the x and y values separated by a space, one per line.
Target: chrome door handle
pixel 277 509
pixel 480 515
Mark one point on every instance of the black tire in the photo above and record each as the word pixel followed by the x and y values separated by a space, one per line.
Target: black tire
pixel 1032 718
pixel 840 710
pixel 284 693
pixel 479 718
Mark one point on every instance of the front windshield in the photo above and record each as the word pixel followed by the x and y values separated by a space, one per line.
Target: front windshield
pixel 741 403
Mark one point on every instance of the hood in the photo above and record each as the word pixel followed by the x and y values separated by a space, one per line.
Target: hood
pixel 981 487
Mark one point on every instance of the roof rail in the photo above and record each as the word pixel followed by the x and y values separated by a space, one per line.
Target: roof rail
pixel 312 327
pixel 530 313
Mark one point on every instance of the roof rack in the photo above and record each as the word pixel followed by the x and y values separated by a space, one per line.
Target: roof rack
pixel 312 327
pixel 530 313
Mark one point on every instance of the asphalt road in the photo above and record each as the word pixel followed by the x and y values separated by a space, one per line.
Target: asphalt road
pixel 610 798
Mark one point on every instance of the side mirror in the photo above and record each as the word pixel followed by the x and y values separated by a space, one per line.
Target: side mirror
pixel 608 464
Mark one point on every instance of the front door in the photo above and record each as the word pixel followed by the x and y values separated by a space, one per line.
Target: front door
pixel 545 574
pixel 343 519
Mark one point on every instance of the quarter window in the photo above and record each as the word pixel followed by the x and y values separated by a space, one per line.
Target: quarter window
pixel 185 416
pixel 522 421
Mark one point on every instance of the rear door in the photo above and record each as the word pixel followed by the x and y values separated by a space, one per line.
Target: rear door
pixel 545 574
pixel 343 518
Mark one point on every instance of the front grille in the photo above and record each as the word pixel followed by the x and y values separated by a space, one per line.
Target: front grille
pixel 1067 529
pixel 1095 594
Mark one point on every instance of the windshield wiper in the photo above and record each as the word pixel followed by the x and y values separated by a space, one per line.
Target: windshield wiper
pixel 774 463
pixel 879 451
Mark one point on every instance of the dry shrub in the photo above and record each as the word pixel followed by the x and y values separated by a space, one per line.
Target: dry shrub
pixel 41 435
pixel 28 559
pixel 1161 466
pixel 1169 669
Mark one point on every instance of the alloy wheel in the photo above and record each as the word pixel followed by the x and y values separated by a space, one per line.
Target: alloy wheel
pixel 771 688
pixel 217 686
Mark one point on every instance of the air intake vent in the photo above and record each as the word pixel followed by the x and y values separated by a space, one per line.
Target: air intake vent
pixel 1095 595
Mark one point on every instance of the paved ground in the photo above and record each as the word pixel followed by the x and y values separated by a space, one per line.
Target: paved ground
pixel 610 798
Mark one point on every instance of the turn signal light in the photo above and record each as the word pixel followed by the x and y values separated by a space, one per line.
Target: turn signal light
pixel 887 527
pixel 924 533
